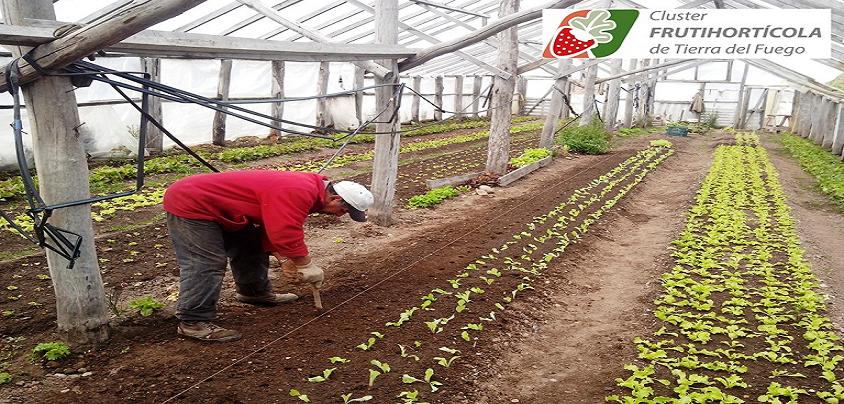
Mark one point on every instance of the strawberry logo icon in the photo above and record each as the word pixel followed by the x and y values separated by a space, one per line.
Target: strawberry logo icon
pixel 571 41
pixel 581 32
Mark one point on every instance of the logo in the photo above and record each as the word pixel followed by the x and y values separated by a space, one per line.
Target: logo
pixel 590 33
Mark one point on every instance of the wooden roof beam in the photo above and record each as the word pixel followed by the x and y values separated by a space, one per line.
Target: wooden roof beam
pixel 187 45
pixel 374 68
pixel 478 35
pixel 79 43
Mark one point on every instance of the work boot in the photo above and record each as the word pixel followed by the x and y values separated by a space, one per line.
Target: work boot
pixel 205 331
pixel 268 299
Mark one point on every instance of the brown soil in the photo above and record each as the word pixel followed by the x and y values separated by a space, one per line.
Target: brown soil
pixel 144 361
pixel 820 224
pixel 598 297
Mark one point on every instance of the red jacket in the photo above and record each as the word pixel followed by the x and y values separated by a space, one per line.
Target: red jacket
pixel 279 201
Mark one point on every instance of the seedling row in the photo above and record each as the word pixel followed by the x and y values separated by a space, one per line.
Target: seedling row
pixel 741 318
pixel 411 358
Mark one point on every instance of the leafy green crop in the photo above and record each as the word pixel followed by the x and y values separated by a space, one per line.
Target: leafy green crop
pixel 590 139
pixel 739 300
pixel 827 169
pixel 434 197
pixel 146 305
pixel 530 156
pixel 660 143
pixel 5 377
pixel 52 351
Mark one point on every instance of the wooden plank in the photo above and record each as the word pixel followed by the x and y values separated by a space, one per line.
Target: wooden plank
pixel 455 180
pixel 477 82
pixel 414 104
pixel 498 145
pixel 223 86
pixel 386 162
pixel 516 174
pixel 487 31
pixel 613 96
pixel 277 88
pixel 552 119
pixel 372 67
pixel 186 45
pixel 155 140
pixel 438 97
pixel 321 90
pixel 458 97
pixel 81 312
pixel 360 79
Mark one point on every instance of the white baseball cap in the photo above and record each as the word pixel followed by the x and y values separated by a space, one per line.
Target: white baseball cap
pixel 357 198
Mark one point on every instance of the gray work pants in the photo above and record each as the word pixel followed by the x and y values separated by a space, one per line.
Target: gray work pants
pixel 202 249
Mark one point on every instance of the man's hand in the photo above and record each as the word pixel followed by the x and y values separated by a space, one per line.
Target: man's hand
pixel 310 273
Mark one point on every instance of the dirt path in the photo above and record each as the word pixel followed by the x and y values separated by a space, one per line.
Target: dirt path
pixel 820 225
pixel 599 299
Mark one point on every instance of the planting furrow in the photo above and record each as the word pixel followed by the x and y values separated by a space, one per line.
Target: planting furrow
pixel 415 364
pixel 741 316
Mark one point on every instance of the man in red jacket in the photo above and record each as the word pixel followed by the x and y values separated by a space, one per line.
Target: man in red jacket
pixel 243 216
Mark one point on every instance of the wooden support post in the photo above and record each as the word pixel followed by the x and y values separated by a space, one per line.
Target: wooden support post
pixel 642 93
pixel 386 161
pixel 155 141
pixel 588 113
pixel 277 88
pixel 81 312
pixel 549 129
pixel 795 112
pixel 498 148
pixel 567 111
pixel 521 90
pixel 223 85
pixel 631 98
pixel 745 104
pixel 838 143
pixel 414 104
pixel 740 103
pixel 805 114
pixel 477 82
pixel 458 97
pixel 828 114
pixel 322 89
pixel 359 83
pixel 438 97
pixel 649 110
pixel 816 131
pixel 613 97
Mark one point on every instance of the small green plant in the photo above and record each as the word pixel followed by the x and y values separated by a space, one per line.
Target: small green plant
pixel 146 305
pixel 530 156
pixel 5 377
pixel 323 377
pixel 589 139
pixel 51 351
pixel 434 197
pixel 660 143
pixel 347 398
pixel 300 396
